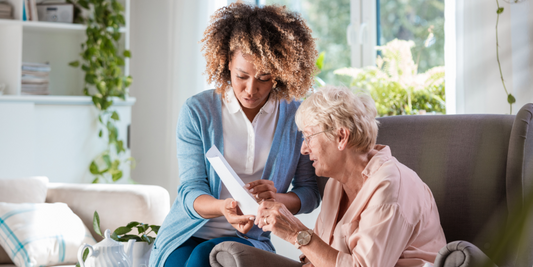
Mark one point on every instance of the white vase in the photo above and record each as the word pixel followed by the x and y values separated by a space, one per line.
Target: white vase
pixel 141 254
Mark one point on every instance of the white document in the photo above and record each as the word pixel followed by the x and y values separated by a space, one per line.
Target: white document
pixel 232 181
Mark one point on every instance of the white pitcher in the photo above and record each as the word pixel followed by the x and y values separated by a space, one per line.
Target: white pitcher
pixel 107 253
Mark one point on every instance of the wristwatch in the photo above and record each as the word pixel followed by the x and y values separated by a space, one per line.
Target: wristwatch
pixel 303 238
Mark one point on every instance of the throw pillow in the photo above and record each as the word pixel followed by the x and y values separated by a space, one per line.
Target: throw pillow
pixel 24 190
pixel 41 234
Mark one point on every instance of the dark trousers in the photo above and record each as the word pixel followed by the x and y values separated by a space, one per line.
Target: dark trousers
pixel 195 252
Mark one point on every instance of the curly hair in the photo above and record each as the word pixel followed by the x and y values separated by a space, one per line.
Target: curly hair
pixel 278 41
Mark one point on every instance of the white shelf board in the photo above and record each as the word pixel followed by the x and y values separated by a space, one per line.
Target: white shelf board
pixel 52 26
pixel 61 100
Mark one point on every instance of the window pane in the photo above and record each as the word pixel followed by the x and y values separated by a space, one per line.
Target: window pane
pixel 414 20
pixel 328 19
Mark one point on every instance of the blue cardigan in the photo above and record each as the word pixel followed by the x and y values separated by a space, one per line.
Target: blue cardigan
pixel 199 128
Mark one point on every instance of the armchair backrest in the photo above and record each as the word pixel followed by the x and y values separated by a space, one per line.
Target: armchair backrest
pixel 472 163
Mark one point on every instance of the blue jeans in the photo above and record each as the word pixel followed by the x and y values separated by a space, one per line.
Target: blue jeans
pixel 195 251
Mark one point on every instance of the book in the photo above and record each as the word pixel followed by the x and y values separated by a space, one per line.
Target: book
pixel 36 67
pixel 33 10
pixel 25 13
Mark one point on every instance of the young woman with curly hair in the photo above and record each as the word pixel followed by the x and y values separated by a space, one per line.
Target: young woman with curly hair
pixel 261 60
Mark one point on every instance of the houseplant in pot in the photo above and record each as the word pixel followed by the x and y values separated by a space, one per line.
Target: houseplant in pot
pixel 144 239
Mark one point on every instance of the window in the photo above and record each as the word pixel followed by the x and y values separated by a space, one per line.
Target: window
pixel 348 32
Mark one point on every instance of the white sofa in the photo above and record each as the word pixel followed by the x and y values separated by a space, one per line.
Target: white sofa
pixel 117 205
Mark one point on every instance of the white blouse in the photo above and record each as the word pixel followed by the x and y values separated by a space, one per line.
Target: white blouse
pixel 246 148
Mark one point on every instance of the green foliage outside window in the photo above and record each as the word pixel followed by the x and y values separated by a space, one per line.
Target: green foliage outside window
pixel 395 84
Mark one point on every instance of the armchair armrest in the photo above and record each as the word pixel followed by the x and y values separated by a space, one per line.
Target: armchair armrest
pixel 462 254
pixel 235 254
pixel 117 204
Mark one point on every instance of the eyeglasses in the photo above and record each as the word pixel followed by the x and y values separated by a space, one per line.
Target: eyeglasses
pixel 307 139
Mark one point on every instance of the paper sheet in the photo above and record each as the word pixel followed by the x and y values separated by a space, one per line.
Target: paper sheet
pixel 232 181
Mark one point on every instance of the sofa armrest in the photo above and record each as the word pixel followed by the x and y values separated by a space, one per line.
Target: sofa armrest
pixel 462 254
pixel 117 204
pixel 235 254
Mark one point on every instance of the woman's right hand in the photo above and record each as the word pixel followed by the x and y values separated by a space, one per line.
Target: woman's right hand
pixel 230 210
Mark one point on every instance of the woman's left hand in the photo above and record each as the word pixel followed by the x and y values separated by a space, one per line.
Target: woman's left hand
pixel 262 189
pixel 275 217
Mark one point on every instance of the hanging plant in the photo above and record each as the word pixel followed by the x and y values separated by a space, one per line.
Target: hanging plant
pixel 510 98
pixel 104 79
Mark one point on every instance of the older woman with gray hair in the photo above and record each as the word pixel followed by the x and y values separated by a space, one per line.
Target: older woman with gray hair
pixel 375 210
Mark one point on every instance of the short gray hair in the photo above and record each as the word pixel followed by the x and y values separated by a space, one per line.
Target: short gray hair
pixel 334 107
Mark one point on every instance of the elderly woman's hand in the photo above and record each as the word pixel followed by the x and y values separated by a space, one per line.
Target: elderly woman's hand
pixel 262 189
pixel 275 217
pixel 243 223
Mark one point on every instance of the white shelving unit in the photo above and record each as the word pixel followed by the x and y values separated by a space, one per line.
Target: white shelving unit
pixel 40 42
pixel 54 135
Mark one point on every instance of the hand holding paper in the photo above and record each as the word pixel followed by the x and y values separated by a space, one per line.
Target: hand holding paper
pixel 233 183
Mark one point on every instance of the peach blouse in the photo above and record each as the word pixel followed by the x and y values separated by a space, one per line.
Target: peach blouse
pixel 393 220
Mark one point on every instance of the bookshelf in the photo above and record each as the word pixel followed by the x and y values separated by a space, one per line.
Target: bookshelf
pixel 40 42
pixel 53 135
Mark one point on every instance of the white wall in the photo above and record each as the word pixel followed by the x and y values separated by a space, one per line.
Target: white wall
pixel 56 137
pixel 167 68
pixel 478 84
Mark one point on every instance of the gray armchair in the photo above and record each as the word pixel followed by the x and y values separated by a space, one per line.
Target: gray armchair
pixel 478 166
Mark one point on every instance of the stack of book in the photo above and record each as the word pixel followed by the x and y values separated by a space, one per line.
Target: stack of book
pixel 6 11
pixel 35 77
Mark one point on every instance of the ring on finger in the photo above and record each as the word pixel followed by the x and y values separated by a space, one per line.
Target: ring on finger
pixel 265 221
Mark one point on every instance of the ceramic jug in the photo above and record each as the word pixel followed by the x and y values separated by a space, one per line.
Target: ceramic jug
pixel 107 253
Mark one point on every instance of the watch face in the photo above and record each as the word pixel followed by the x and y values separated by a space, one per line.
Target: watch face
pixel 304 238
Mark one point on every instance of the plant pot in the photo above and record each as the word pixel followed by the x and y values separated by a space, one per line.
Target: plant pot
pixel 141 254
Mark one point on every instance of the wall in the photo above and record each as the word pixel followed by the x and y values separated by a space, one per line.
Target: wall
pixel 167 68
pixel 478 84
pixel 54 137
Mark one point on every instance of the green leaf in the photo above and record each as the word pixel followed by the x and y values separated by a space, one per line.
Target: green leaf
pixel 96 224
pixel 511 99
pixel 115 116
pixel 115 164
pixel 155 228
pixel 145 238
pixel 142 228
pixel 90 78
pixel 127 81
pixel 114 236
pixel 119 145
pixel 132 224
pixel 116 176
pixel 100 133
pixel 122 230
pixel 107 160
pixel 320 60
pixel 120 61
pixel 93 168
pixel 500 10
pixel 86 91
pixel 127 53
pixel 85 254
pixel 96 102
pixel 96 180
pixel 125 238
pixel 74 64
pixel 84 257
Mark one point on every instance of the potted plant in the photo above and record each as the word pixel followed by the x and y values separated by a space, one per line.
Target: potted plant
pixel 144 241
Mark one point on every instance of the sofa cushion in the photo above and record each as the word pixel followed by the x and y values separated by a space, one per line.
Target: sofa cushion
pixel 41 234
pixel 22 190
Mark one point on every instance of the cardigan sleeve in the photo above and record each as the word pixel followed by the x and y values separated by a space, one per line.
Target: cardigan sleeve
pixel 305 184
pixel 191 161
